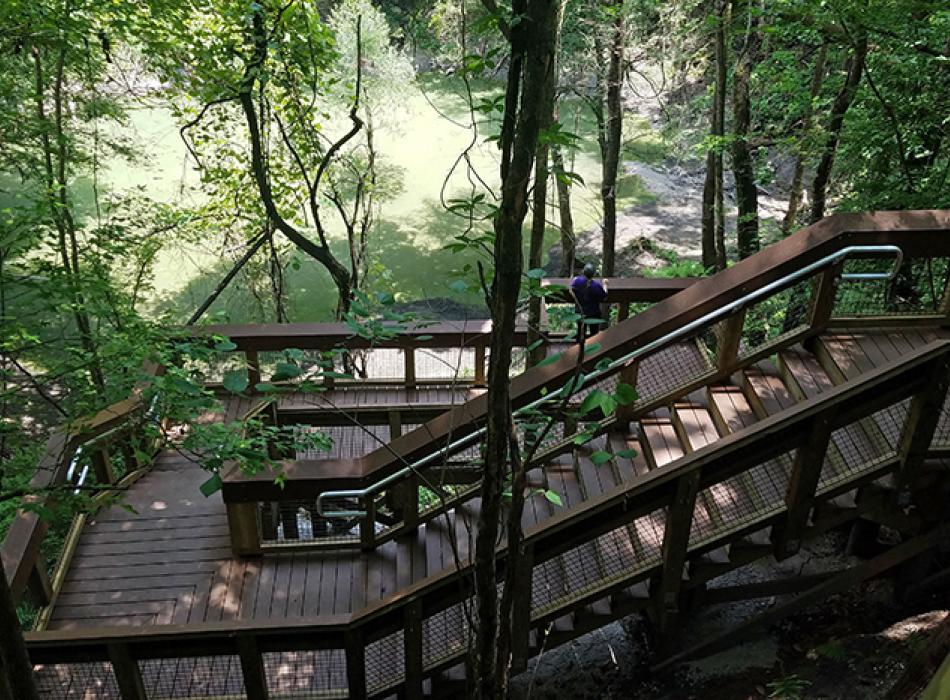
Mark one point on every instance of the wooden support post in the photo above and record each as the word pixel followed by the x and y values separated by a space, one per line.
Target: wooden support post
pixel 244 530
pixel 480 365
pixel 679 521
pixel 253 368
pixel 628 375
pixel 623 311
pixel 823 299
pixel 409 357
pixel 38 586
pixel 800 497
pixel 521 611
pixel 128 676
pixel 921 422
pixel 395 424
pixel 412 649
pixel 252 666
pixel 355 664
pixel 730 335
pixel 410 500
pixel 102 466
pixel 368 524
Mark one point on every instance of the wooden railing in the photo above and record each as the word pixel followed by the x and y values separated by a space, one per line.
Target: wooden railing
pixel 381 650
pixel 72 453
pixel 790 314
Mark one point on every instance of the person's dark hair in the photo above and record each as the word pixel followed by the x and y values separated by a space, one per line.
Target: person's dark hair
pixel 589 270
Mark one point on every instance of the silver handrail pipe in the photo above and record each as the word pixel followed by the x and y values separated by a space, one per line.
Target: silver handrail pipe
pixel 685 330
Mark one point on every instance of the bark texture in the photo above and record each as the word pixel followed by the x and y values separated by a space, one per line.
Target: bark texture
pixel 16 671
pixel 743 168
pixel 713 212
pixel 611 140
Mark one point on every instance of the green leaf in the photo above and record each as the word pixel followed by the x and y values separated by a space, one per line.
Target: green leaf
pixel 129 508
pixel 536 273
pixel 284 371
pixel 265 387
pixel 235 381
pixel 423 338
pixel 211 486
pixel 627 454
pixel 625 394
pixel 550 359
pixel 600 457
pixel 336 375
pixel 459 286
pixel 225 346
pixel 554 497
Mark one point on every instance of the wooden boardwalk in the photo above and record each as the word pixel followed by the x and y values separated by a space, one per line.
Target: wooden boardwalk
pixel 172 563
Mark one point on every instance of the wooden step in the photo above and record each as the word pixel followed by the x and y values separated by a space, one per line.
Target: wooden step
pixel 659 440
pixel 627 468
pixel 764 390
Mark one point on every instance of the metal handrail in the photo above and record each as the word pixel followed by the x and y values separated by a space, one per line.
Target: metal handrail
pixel 569 387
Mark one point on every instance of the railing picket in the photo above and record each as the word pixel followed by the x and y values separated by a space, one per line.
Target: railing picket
pixel 368 524
pixel 800 497
pixel 480 365
pixel 412 647
pixel 127 672
pixel 521 611
pixel 252 667
pixel 730 336
pixel 823 304
pixel 409 359
pixel 102 466
pixel 921 423
pixel 253 368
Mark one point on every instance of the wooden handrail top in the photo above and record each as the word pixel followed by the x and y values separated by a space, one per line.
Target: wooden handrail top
pixel 630 290
pixel 739 451
pixel 921 233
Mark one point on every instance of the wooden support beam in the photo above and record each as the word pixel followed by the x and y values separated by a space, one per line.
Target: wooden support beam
pixel 244 529
pixel 521 611
pixel 412 649
pixel 836 584
pixel 729 337
pixel 800 497
pixel 395 424
pixel 921 422
pixel 253 368
pixel 679 521
pixel 102 466
pixel 368 524
pixel 409 375
pixel 252 667
pixel 128 676
pixel 763 589
pixel 355 664
pixel 480 365
pixel 38 586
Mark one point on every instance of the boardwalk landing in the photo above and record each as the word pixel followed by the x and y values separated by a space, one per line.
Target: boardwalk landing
pixel 172 562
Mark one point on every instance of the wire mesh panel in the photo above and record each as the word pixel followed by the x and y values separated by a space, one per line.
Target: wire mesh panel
pixel 348 441
pixel 942 433
pixel 385 662
pixel 778 316
pixel 444 636
pixel 918 288
pixel 297 521
pixel 852 451
pixel 197 677
pixel 306 674
pixel 384 363
pixel 76 681
pixel 662 372
pixel 451 364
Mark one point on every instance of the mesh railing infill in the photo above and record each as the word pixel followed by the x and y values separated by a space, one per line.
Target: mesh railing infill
pixel 193 677
pixel 941 437
pixel 444 636
pixel 76 680
pixel 777 317
pixel 917 289
pixel 313 674
pixel 297 520
pixel 669 368
pixel 385 662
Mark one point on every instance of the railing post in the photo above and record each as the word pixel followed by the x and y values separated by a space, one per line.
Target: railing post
pixel 521 610
pixel 409 358
pixel 253 368
pixel 823 305
pixel 802 484
pixel 480 365
pixel 244 529
pixel 128 676
pixel 38 586
pixel 395 424
pixel 252 667
pixel 412 649
pixel 368 524
pixel 355 664
pixel 921 422
pixel 623 311
pixel 730 336
pixel 102 466
pixel 679 522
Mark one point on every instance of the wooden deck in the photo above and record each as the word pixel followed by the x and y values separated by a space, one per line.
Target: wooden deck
pixel 171 563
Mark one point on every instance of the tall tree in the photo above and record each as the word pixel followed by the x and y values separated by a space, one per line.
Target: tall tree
pixel 713 211
pixel 611 131
pixel 532 54
pixel 747 200
pixel 854 67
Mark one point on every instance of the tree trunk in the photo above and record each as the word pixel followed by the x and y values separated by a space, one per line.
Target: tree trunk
pixel 533 48
pixel 614 131
pixel 747 200
pixel 713 213
pixel 568 252
pixel 795 193
pixel 16 671
pixel 854 67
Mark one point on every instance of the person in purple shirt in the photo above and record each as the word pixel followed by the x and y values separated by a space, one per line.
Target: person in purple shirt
pixel 588 294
